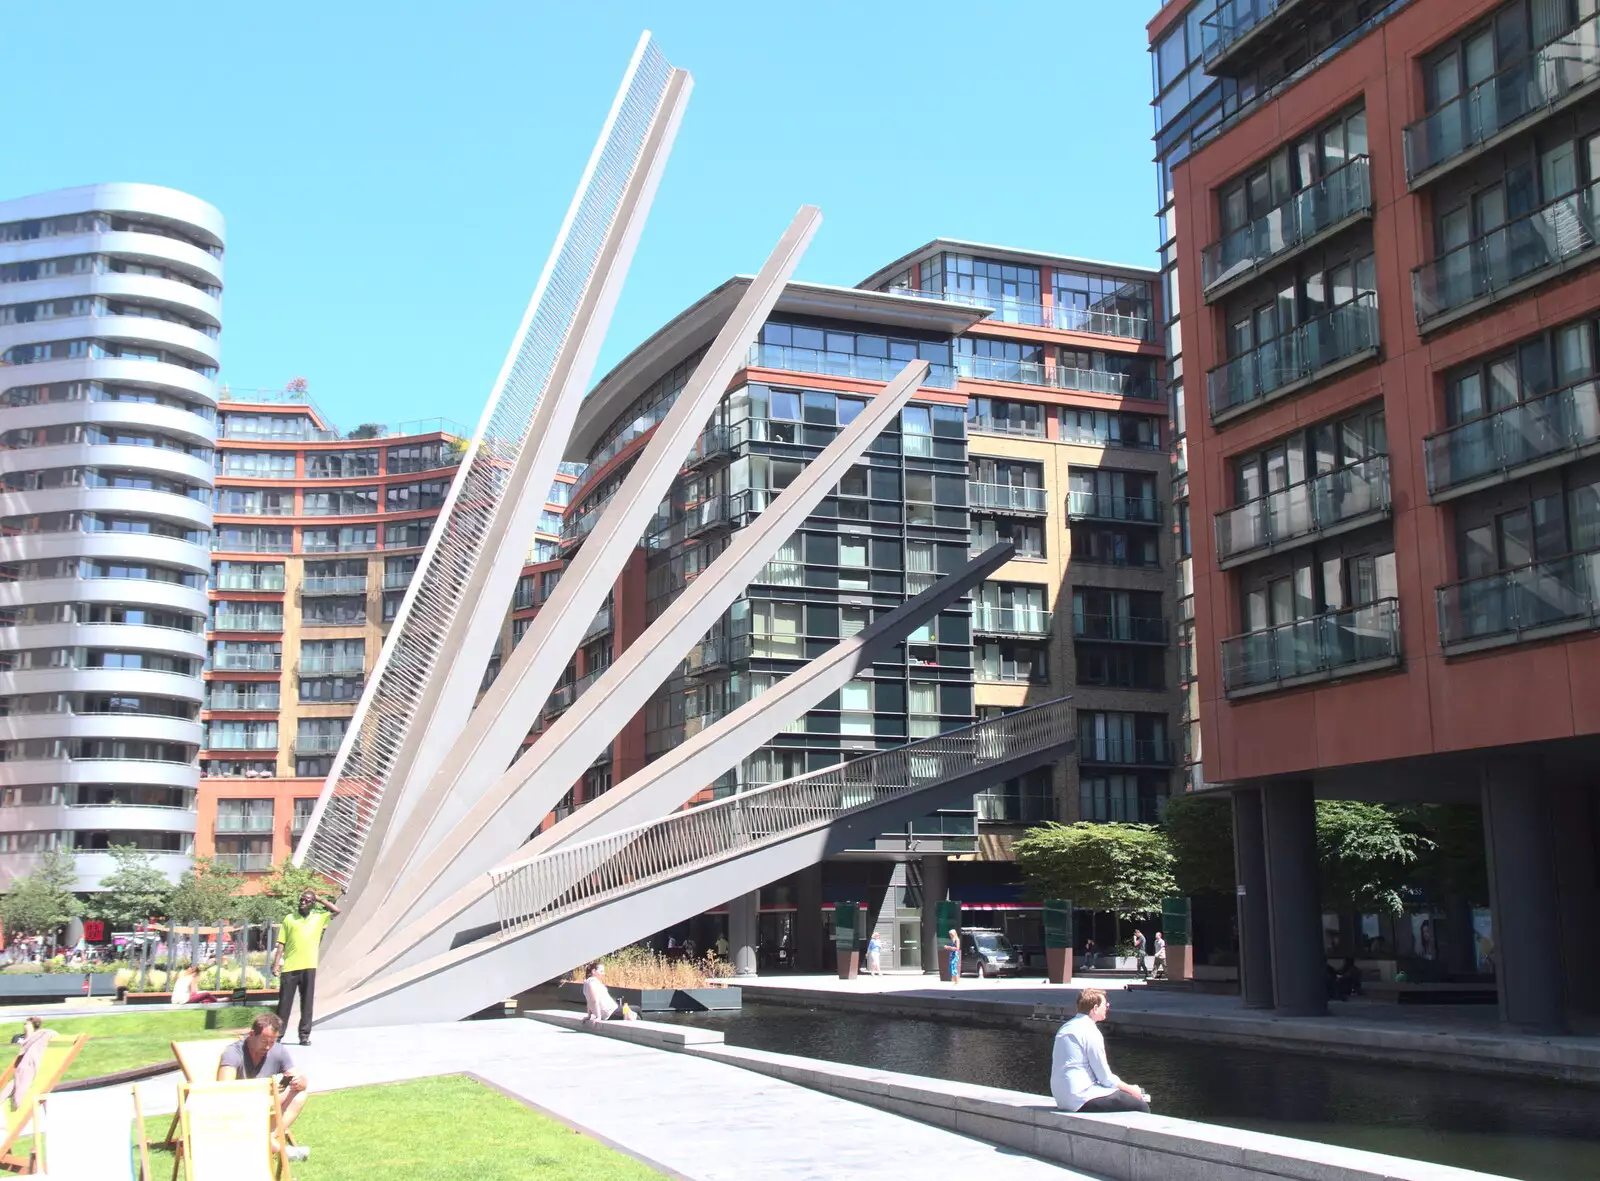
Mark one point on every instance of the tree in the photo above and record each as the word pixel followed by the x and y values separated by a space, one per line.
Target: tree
pixel 1456 865
pixel 135 891
pixel 205 893
pixel 368 430
pixel 1125 869
pixel 1367 854
pixel 42 900
pixel 288 881
pixel 1200 835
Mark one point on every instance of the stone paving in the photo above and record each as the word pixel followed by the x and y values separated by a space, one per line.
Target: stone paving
pixel 703 1120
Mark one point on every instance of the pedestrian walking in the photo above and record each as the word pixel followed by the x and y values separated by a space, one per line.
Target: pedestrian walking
pixel 294 960
pixel 1139 964
pixel 874 956
pixel 1160 957
pixel 953 951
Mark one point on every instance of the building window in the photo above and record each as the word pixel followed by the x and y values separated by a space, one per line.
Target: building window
pixel 341 465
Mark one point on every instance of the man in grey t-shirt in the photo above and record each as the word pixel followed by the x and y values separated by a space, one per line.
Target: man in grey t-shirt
pixel 259 1055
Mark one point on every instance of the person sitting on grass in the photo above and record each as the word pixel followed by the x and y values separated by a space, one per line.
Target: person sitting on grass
pixel 1080 1078
pixel 260 1055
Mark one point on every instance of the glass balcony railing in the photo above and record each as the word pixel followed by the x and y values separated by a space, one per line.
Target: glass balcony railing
pixel 332 666
pixel 243 862
pixel 247 623
pixel 242 740
pixel 1318 648
pixel 238 823
pixel 1563 423
pixel 1517 94
pixel 397 579
pixel 1010 621
pixel 317 744
pixel 1530 248
pixel 998 806
pixel 1233 21
pixel 1032 312
pixel 1564 594
pixel 1298 355
pixel 340 584
pixel 1093 381
pixel 231 580
pixel 600 624
pixel 1125 752
pixel 1005 498
pixel 1303 511
pixel 1128 629
pixel 798 360
pixel 1343 193
pixel 252 701
pixel 1097 506
pixel 987 424
pixel 255 662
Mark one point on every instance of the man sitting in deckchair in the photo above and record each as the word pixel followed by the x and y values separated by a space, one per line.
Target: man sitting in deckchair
pixel 259 1055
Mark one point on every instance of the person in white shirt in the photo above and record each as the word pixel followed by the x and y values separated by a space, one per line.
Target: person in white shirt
pixel 1080 1077
pixel 597 1001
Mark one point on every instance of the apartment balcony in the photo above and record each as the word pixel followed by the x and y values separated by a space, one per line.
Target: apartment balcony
pixel 1005 498
pixel 1325 647
pixel 996 806
pixel 709 516
pixel 1094 321
pixel 234 823
pixel 1312 215
pixel 1517 606
pixel 242 743
pixel 298 826
pixel 1533 249
pixel 1124 752
pixel 798 360
pixel 332 666
pixel 1315 351
pixel 1185 608
pixel 1333 503
pixel 398 580
pixel 1009 621
pixel 1096 506
pixel 317 744
pixel 243 701
pixel 1533 436
pixel 262 622
pixel 235 582
pixel 247 662
pixel 342 584
pixel 714 443
pixel 1120 629
pixel 598 626
pixel 1239 30
pixel 986 424
pixel 243 862
pixel 1550 79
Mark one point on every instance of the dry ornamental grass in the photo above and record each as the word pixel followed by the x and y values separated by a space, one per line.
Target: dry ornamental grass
pixel 640 967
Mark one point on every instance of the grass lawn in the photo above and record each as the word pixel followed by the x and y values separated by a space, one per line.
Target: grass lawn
pixel 439 1129
pixel 123 1041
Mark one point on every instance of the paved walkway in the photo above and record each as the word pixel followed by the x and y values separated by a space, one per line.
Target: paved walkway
pixel 704 1120
pixel 1468 1036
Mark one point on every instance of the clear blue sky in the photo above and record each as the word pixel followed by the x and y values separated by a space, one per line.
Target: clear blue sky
pixel 393 174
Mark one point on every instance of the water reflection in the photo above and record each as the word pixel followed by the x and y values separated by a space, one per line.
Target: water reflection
pixel 1517 1128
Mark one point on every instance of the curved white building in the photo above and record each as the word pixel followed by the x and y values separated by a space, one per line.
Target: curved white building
pixel 109 317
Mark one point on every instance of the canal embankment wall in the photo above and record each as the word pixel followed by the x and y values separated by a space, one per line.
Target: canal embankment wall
pixel 1125 1147
pixel 1390 1041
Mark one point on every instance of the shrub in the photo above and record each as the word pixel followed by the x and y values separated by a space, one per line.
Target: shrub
pixel 640 967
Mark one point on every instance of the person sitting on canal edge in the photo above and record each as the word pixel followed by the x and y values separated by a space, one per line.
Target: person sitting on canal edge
pixel 598 1003
pixel 294 960
pixel 1080 1077
pixel 259 1055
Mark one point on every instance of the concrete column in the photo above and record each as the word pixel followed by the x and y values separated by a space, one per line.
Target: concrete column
pixel 935 885
pixel 1294 902
pixel 1522 889
pixel 1250 872
pixel 809 929
pixel 744 926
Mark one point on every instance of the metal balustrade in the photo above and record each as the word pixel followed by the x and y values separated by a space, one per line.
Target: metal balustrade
pixel 1528 250
pixel 1304 511
pixel 579 876
pixel 1560 426
pixel 1317 648
pixel 1528 88
pixel 1005 498
pixel 1299 355
pixel 1342 194
pixel 1562 595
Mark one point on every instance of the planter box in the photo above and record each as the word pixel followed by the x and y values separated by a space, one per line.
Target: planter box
pixel 661 1000
pixel 55 986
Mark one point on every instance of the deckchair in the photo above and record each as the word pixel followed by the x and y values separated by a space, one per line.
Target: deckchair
pixel 199 1062
pixel 228 1131
pixel 78 1140
pixel 58 1055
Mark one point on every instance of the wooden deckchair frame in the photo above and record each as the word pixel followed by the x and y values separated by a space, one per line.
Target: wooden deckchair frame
pixel 178 1051
pixel 27 1105
pixel 185 1155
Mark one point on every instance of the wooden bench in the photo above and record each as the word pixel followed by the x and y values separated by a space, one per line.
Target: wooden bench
pixel 239 996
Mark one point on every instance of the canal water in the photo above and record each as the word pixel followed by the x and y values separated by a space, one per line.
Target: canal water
pixel 1525 1129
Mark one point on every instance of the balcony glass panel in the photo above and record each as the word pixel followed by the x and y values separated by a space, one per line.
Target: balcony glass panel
pixel 1304 510
pixel 1516 94
pixel 333 584
pixel 1105 507
pixel 1484 267
pixel 1005 497
pixel 1133 629
pixel 1231 21
pixel 1344 331
pixel 1010 621
pixel 799 360
pixel 1544 594
pixel 229 622
pixel 1342 193
pixel 243 862
pixel 1032 312
pixel 1566 420
pixel 1322 644
pixel 1121 751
